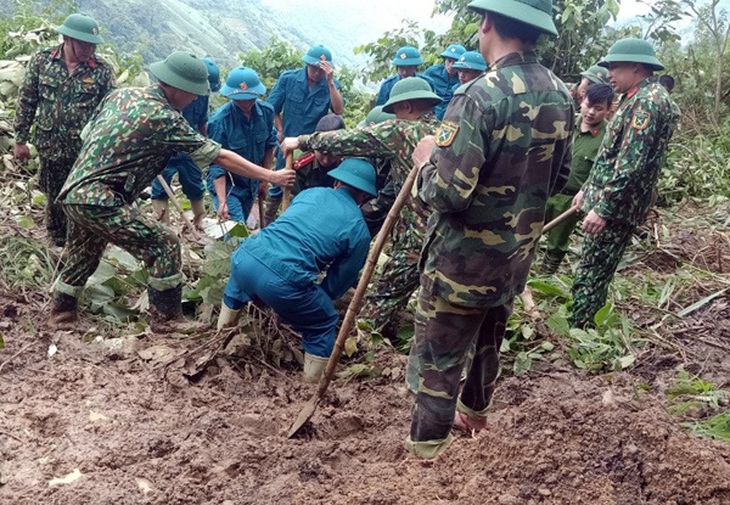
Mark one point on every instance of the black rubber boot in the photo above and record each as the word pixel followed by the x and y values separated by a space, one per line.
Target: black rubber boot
pixel 551 262
pixel 166 305
pixel 64 312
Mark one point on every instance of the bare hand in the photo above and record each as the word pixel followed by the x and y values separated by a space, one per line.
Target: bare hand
pixel 289 145
pixel 329 71
pixel 21 152
pixel 283 178
pixel 423 150
pixel 578 200
pixel 223 211
pixel 593 223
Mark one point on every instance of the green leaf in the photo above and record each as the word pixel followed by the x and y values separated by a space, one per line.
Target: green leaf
pixel 558 323
pixel 522 364
pixel 25 222
pixel 626 361
pixel 350 346
pixel 103 273
pixel 547 346
pixel 240 230
pixel 2 341
pixel 700 303
pixel 603 314
pixel 119 312
pixel 547 288
pixel 39 199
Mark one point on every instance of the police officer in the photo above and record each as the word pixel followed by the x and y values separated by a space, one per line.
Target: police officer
pixel 444 77
pixel 126 145
pixel 503 145
pixel 406 61
pixel 594 75
pixel 618 192
pixel 245 125
pixel 190 176
pixel 61 88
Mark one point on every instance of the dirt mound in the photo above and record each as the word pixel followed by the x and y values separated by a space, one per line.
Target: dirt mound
pixel 120 431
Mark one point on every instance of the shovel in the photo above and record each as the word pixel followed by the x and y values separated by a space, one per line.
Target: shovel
pixel 171 195
pixel 356 303
pixel 287 191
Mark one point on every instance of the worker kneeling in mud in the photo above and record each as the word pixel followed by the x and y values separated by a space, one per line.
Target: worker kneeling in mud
pixel 322 229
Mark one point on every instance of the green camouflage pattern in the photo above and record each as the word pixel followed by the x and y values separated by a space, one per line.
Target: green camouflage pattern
pixel 503 148
pixel 127 143
pixel 599 260
pixel 59 104
pixel 392 141
pixel 51 178
pixel 446 334
pixel 91 228
pixel 311 175
pixel 632 153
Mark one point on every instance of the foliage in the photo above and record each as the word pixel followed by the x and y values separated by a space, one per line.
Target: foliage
pixel 692 396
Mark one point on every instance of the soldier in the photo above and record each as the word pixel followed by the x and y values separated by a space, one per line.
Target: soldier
pixel 668 82
pixel 280 265
pixel 444 77
pixel 594 75
pixel 126 144
pixel 503 147
pixel 61 88
pixel 303 97
pixel 470 66
pixel 189 174
pixel 406 61
pixel 311 168
pixel 618 192
pixel 412 101
pixel 586 141
pixel 245 125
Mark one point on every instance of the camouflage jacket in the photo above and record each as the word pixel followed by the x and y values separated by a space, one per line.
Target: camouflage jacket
pixel 626 170
pixel 310 174
pixel 128 143
pixel 59 104
pixel 393 140
pixel 503 148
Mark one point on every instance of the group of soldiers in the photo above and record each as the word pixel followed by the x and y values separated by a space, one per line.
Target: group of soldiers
pixel 507 154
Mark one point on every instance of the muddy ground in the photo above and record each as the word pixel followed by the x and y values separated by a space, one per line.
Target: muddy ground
pixel 121 428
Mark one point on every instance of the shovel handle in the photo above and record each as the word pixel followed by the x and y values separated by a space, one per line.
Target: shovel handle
pixel 287 191
pixel 562 217
pixel 176 203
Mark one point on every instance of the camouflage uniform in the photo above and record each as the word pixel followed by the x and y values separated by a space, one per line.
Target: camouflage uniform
pixel 393 140
pixel 126 145
pixel 60 105
pixel 503 147
pixel 620 187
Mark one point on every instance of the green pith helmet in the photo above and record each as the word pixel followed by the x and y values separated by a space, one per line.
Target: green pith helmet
pixel 407 56
pixel 317 54
pixel 632 50
pixel 358 173
pixel 472 60
pixel 184 71
pixel 410 88
pixel 596 74
pixel 81 27
pixel 454 51
pixel 377 116
pixel 535 13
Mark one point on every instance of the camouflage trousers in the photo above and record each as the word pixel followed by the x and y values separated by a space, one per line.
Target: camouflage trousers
pixel 445 333
pixel 92 227
pixel 51 178
pixel 598 263
pixel 390 293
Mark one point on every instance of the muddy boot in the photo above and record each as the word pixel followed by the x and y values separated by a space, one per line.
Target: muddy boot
pixel 63 314
pixel 228 317
pixel 314 367
pixel 166 312
pixel 271 207
pixel 198 213
pixel 162 210
pixel 551 262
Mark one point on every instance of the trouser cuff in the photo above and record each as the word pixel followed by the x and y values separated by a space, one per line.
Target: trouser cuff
pixel 428 449
pixel 67 289
pixel 474 415
pixel 165 283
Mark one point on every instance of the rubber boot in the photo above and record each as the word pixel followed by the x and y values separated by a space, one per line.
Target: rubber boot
pixel 63 314
pixel 162 210
pixel 198 213
pixel 228 317
pixel 166 312
pixel 314 367
pixel 551 262
pixel 271 207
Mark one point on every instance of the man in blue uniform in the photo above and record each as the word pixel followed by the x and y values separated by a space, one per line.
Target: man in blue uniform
pixel 470 66
pixel 245 125
pixel 322 230
pixel 444 77
pixel 191 178
pixel 406 61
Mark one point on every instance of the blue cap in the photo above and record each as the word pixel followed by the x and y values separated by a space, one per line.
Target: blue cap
pixel 454 51
pixel 407 56
pixel 472 60
pixel 214 74
pixel 243 83
pixel 358 173
pixel 317 54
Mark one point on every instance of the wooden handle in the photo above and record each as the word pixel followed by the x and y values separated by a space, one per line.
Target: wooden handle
pixel 287 191
pixel 562 217
pixel 179 208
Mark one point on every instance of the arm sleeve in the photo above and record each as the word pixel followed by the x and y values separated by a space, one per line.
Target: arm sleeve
pixel 343 273
pixel 27 101
pixel 217 133
pixel 448 180
pixel 636 148
pixel 278 94
pixel 376 141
